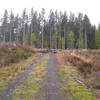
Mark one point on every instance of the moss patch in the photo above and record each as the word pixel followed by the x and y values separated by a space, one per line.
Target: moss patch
pixel 72 84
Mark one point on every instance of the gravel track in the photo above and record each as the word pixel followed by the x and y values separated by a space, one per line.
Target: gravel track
pixel 51 85
pixel 6 95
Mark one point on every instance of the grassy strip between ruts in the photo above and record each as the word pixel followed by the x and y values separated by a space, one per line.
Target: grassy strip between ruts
pixel 72 86
pixel 9 73
pixel 31 86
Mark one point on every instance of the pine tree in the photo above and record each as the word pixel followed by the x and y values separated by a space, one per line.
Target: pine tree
pixel 5 26
pixel 63 30
pixel 52 29
pixel 98 37
pixel 42 21
pixel 80 22
pixel 11 37
pixel 24 26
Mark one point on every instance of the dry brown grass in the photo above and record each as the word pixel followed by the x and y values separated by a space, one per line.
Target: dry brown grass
pixel 88 62
pixel 73 83
pixel 13 53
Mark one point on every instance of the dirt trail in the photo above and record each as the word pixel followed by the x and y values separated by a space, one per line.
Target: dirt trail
pixel 6 95
pixel 51 84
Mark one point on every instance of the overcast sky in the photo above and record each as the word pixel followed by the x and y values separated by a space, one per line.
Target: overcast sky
pixel 89 7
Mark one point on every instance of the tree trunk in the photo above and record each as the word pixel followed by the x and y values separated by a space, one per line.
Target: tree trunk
pixel 85 40
pixel 42 39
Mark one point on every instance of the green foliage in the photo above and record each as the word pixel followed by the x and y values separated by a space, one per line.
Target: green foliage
pixel 18 29
pixel 80 41
pixel 63 43
pixel 35 39
pixel 70 78
pixel 53 40
pixel 26 39
pixel 98 38
pixel 70 39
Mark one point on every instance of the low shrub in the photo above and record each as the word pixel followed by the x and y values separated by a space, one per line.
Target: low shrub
pixel 12 53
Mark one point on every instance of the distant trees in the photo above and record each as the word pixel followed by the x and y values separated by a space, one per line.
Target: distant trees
pixel 42 23
pixel 98 37
pixel 5 27
pixel 57 31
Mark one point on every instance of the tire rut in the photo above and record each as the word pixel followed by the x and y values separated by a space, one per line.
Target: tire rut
pixel 6 95
pixel 51 85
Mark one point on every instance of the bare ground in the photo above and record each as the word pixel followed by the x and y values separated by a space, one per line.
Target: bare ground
pixel 51 85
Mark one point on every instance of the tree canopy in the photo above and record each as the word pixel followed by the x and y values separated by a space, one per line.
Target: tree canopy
pixel 58 30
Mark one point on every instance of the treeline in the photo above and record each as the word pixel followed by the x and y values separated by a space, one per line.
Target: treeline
pixel 58 30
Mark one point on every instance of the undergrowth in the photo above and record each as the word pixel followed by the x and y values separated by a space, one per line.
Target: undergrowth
pixel 73 83
pixel 9 73
pixel 13 53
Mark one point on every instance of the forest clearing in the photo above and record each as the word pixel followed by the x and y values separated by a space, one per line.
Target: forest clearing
pixel 50 50
pixel 49 74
